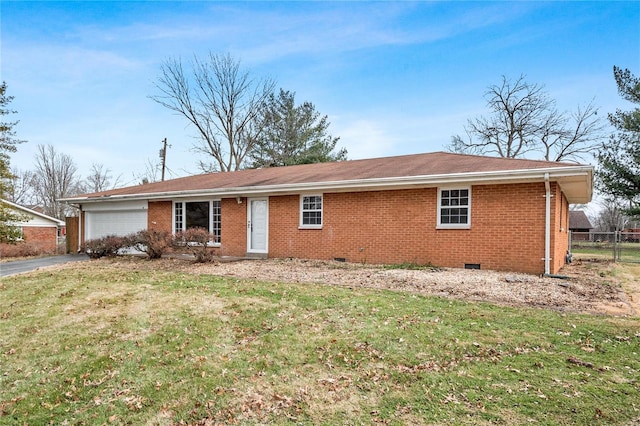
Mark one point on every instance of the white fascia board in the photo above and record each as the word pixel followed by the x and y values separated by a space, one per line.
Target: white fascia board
pixel 111 204
pixel 507 176
pixel 36 225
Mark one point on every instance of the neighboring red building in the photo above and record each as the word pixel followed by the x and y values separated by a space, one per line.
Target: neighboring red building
pixel 580 225
pixel 631 235
pixel 38 230
pixel 446 209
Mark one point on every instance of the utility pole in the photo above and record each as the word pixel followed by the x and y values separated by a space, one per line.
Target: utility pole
pixel 163 156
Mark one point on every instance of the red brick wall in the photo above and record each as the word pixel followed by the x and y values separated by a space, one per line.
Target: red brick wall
pixel 234 227
pixel 507 229
pixel 45 238
pixel 159 215
pixel 374 227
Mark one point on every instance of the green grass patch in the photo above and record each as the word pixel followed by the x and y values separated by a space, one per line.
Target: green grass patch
pixel 96 343
pixel 626 252
pixel 412 266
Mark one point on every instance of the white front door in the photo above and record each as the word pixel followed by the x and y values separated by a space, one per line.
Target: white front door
pixel 257 225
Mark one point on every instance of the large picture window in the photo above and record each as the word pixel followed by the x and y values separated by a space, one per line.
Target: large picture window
pixel 198 214
pixel 311 211
pixel 454 208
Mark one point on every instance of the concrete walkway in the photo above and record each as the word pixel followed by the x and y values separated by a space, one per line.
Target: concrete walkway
pixel 22 266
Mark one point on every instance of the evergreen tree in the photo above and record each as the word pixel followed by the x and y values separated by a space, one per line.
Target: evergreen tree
pixel 291 134
pixel 8 142
pixel 619 159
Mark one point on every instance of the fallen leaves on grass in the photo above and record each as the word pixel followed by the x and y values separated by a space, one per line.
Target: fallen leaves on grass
pixel 584 291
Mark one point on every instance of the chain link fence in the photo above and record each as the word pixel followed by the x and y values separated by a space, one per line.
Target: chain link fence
pixel 621 246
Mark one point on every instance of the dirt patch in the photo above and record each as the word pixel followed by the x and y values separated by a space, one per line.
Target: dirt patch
pixel 630 283
pixel 585 286
pixel 622 277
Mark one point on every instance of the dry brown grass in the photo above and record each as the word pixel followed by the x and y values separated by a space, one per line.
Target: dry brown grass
pixel 591 286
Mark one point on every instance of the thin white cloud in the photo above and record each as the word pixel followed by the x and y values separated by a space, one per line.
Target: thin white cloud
pixel 333 32
pixel 67 65
pixel 261 35
pixel 365 139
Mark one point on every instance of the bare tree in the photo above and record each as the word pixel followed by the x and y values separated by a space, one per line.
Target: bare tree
pixel 150 173
pixel 517 109
pixel 221 101
pixel 572 137
pixel 20 189
pixel 612 215
pixel 99 179
pixel 55 177
pixel 523 120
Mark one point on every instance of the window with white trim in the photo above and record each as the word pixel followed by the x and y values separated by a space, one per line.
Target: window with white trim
pixel 311 211
pixel 454 207
pixel 202 214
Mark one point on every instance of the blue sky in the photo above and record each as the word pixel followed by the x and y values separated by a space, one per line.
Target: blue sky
pixel 393 77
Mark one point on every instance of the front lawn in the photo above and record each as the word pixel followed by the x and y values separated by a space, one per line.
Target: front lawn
pixel 98 343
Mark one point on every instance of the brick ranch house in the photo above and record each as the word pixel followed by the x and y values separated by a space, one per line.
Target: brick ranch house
pixel 38 229
pixel 447 209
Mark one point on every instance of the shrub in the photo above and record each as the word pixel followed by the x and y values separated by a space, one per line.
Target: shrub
pixel 196 241
pixel 20 249
pixel 153 242
pixel 105 246
pixel 61 248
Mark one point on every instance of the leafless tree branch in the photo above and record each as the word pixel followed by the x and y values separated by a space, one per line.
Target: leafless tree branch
pixel 54 178
pixel 524 119
pixel 221 101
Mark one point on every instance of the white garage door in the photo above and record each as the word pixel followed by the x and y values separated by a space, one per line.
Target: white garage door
pixel 123 222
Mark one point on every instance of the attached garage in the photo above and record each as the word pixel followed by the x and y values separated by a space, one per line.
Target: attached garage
pixel 105 219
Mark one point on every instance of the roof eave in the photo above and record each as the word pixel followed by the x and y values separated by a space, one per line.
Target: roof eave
pixel 58 222
pixel 582 174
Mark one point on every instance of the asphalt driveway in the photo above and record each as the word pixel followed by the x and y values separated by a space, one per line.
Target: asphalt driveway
pixel 21 266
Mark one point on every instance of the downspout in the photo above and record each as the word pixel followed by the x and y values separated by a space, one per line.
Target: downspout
pixel 547 225
pixel 80 228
